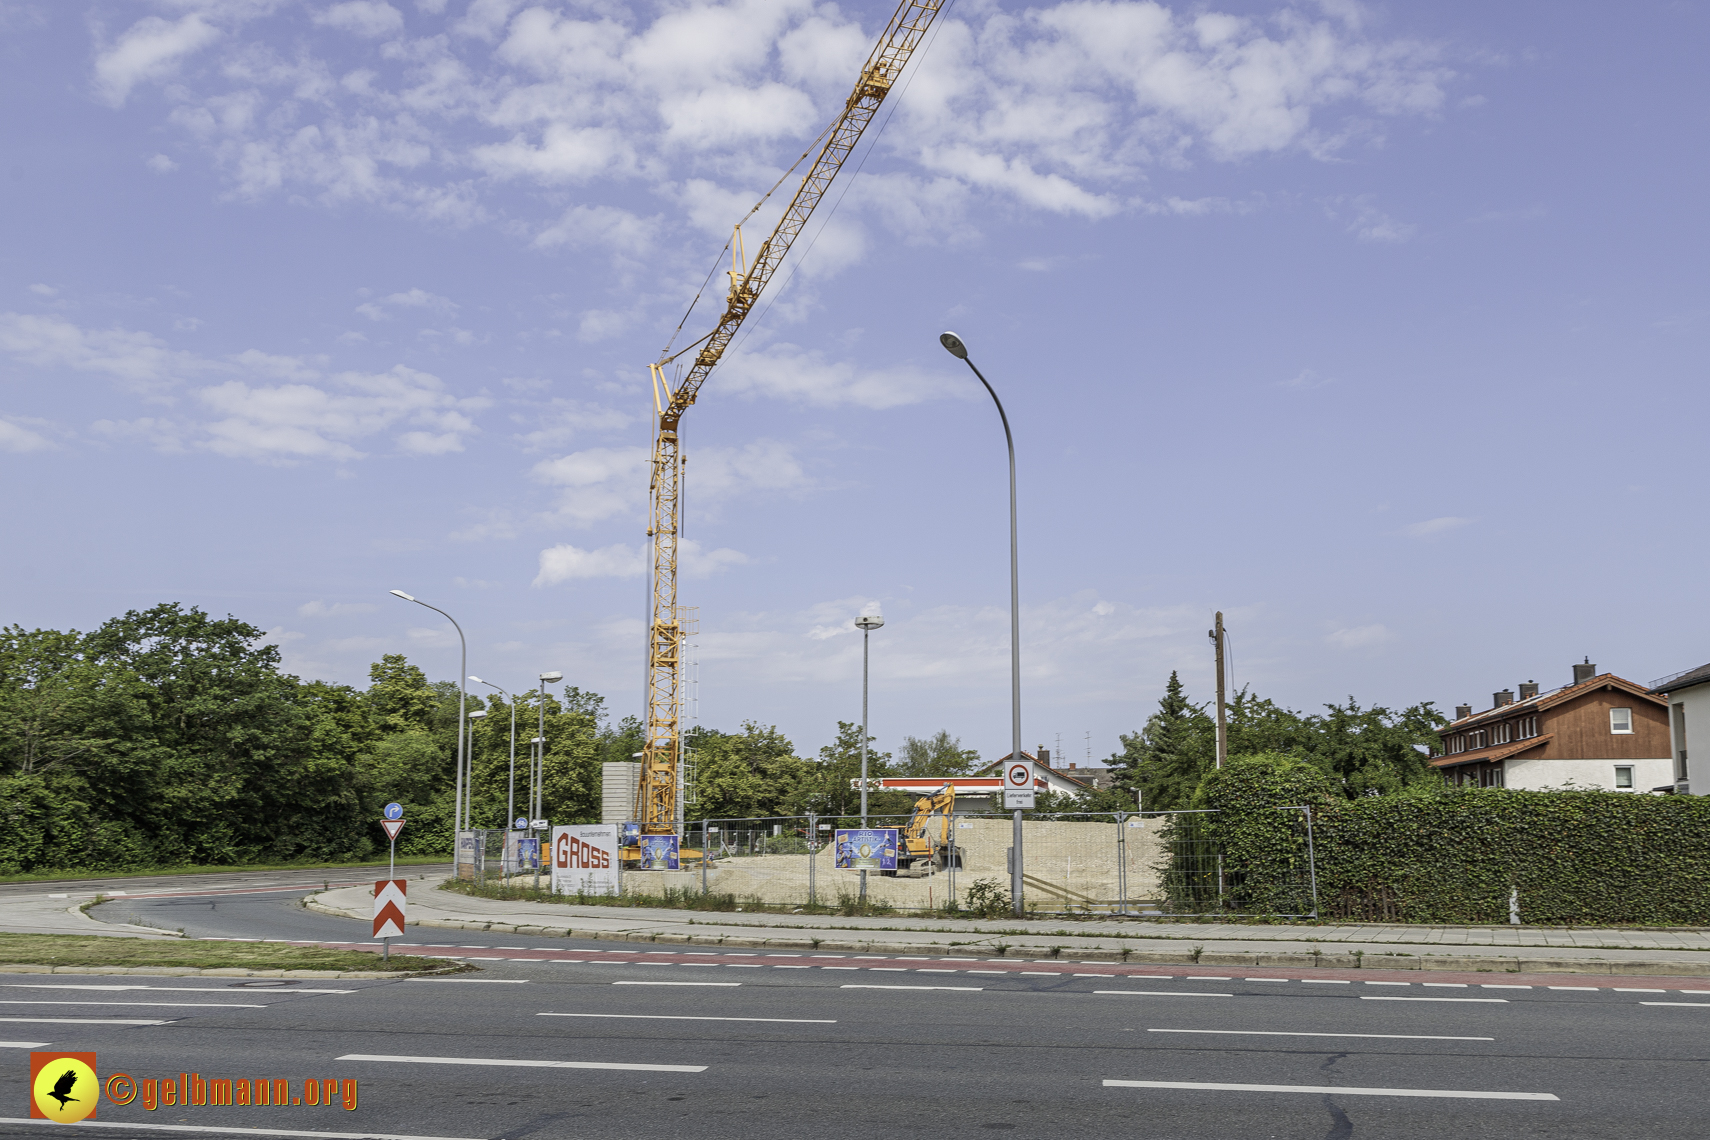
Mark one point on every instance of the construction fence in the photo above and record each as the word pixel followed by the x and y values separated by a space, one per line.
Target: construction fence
pixel 1140 864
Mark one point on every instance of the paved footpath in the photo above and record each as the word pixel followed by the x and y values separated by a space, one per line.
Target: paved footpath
pixel 1369 946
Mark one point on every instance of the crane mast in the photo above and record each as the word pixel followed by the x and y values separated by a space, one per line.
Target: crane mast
pixel 662 751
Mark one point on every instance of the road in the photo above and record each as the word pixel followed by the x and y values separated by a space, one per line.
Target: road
pixel 596 1040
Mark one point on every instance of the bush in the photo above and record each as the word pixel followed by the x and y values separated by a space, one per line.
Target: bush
pixel 988 899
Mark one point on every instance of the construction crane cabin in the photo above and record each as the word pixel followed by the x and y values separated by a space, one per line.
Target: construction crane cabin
pixel 661 760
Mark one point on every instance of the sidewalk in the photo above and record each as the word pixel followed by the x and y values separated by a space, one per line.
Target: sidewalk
pixel 57 913
pixel 1495 948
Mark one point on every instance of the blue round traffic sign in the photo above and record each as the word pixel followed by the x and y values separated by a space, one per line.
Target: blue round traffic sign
pixel 520 822
pixel 394 811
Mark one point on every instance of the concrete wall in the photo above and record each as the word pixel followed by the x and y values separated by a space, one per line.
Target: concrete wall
pixel 1067 864
pixel 619 782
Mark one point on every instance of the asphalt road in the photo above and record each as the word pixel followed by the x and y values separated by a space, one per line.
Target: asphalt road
pixel 729 1044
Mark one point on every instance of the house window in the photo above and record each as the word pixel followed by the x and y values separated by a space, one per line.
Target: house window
pixel 1623 775
pixel 1679 712
pixel 1503 733
pixel 1479 738
pixel 1621 721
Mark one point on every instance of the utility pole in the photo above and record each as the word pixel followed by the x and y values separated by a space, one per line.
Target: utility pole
pixel 1222 720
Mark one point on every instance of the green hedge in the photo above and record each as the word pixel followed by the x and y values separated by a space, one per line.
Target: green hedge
pixel 1452 856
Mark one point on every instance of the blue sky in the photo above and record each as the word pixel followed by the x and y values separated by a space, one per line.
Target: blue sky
pixel 1379 327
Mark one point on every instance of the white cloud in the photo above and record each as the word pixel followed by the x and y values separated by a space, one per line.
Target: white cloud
pixel 1359 637
pixel 1368 223
pixel 44 290
pixel 1431 527
pixel 788 372
pixel 160 164
pixel 15 437
pixel 564 562
pixel 414 299
pixel 1066 108
pixel 337 609
pixel 150 49
pixel 137 359
pixel 371 18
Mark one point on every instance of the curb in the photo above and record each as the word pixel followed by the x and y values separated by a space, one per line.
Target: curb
pixel 1466 963
pixel 218 971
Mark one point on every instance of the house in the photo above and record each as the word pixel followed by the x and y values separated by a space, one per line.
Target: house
pixel 1600 731
pixel 1688 697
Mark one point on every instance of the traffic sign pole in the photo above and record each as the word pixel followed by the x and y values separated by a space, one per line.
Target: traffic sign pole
pixel 393 823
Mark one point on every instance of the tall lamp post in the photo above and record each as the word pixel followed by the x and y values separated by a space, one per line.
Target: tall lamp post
pixel 469 800
pixel 550 677
pixel 954 346
pixel 459 806
pixel 511 792
pixel 866 623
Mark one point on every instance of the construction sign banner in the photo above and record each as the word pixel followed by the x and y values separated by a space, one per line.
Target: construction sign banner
pixel 585 859
pixel 389 908
pixel 867 848
pixel 63 1087
pixel 659 853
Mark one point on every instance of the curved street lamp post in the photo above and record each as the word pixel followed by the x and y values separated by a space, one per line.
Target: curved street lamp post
pixel 459 805
pixel 955 347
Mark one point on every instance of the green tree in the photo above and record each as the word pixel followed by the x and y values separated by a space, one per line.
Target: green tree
pixel 1165 760
pixel 938 755
pixel 833 777
pixel 751 773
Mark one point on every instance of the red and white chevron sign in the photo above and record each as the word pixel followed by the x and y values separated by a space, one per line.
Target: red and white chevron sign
pixel 389 908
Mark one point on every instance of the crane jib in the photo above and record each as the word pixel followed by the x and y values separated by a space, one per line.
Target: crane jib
pixel 658 789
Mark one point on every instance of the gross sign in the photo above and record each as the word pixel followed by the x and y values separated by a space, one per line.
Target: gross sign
pixel 1018 785
pixel 585 859
pixel 867 848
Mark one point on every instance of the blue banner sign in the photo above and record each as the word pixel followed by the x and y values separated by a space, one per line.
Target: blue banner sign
pixel 867 849
pixel 528 854
pixel 629 834
pixel 659 853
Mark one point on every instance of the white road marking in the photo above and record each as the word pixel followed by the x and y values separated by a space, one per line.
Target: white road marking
pixel 792 967
pixel 937 970
pixel 225 1130
pixel 842 968
pixel 1465 1094
pixel 1388 983
pixel 958 989
pixel 1501 986
pixel 1207 978
pixel 1160 993
pixel 1326 981
pixel 24 1044
pixel 175 1004
pixel 523 1063
pixel 889 969
pixel 988 971
pixel 1398 997
pixel 476 981
pixel 727 965
pixel 81 1021
pixel 1677 991
pixel 676 983
pixel 1285 980
pixel 1680 1004
pixel 1593 989
pixel 685 1017
pixel 1446 985
pixel 1045 974
pixel 1619 990
pixel 1279 1033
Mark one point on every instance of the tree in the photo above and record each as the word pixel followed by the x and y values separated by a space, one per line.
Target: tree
pixel 1165 760
pixel 747 774
pixel 937 755
pixel 839 767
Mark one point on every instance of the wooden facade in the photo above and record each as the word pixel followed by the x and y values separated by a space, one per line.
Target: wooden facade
pixel 1575 723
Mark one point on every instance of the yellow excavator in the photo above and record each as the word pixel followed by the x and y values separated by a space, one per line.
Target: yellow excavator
pixel 925 845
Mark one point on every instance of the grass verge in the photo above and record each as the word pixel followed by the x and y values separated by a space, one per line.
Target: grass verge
pixel 846 905
pixel 86 950
pixel 204 869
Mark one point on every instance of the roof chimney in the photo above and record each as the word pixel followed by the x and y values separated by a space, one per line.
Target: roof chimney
pixel 1505 697
pixel 1462 712
pixel 1528 690
pixel 1044 756
pixel 1585 672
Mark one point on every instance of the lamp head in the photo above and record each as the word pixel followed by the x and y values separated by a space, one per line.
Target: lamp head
pixel 477 714
pixel 953 345
pixel 552 677
pixel 476 679
pixel 869 622
pixel 401 594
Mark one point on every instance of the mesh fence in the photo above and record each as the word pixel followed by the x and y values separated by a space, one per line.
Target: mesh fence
pixel 1152 864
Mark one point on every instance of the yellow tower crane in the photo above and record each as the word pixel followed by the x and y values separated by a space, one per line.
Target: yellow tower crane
pixel 662 753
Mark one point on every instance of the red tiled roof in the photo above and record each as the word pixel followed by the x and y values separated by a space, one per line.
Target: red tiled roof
pixel 1556 697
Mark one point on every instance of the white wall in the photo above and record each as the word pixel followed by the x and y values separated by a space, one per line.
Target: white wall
pixel 1697 743
pixel 1533 775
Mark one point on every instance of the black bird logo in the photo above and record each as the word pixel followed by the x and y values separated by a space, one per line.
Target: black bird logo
pixel 63 1086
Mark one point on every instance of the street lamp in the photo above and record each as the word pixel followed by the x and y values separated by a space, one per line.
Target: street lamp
pixel 550 677
pixel 477 714
pixel 954 346
pixel 866 623
pixel 459 809
pixel 511 793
